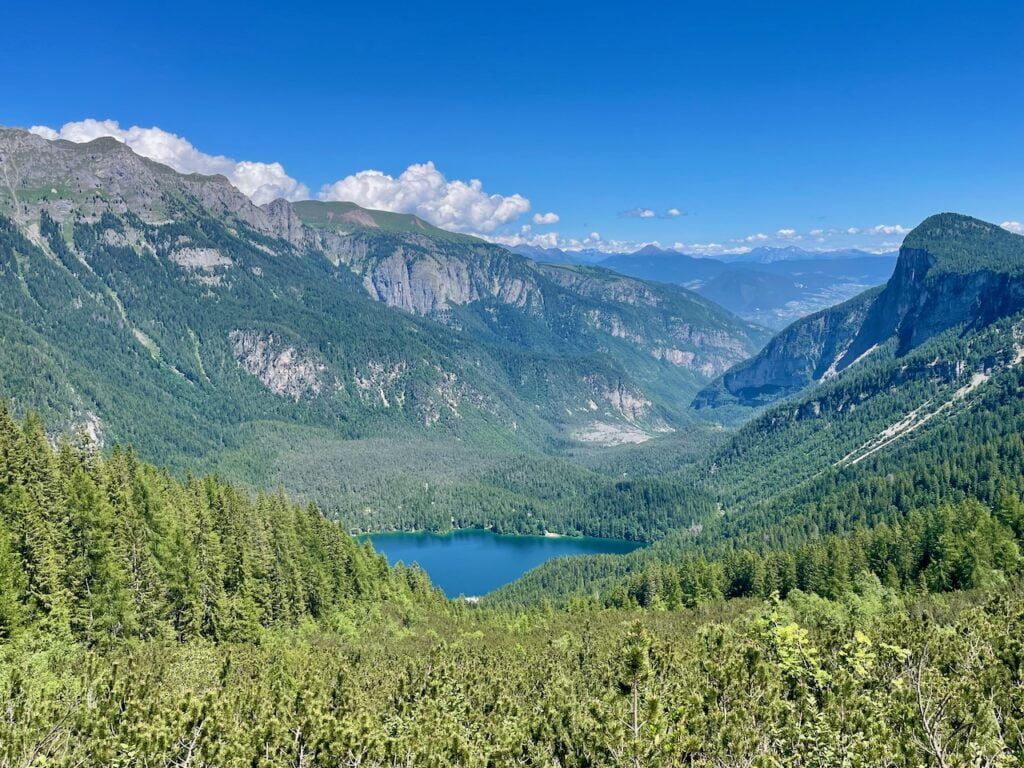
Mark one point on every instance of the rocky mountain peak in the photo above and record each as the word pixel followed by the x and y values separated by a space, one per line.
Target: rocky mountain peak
pixel 952 271
pixel 105 175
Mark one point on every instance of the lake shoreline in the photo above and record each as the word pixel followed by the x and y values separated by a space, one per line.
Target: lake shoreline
pixel 474 562
pixel 490 529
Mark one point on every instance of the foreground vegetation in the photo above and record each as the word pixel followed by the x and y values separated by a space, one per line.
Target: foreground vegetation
pixel 839 583
pixel 147 621
pixel 868 680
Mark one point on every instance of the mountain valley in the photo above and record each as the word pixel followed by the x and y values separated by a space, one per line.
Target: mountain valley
pixel 770 286
pixel 261 338
pixel 821 525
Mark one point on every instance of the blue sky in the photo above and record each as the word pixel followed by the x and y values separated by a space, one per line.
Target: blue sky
pixel 750 118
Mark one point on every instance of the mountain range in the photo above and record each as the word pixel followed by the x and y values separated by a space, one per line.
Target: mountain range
pixel 953 272
pixel 404 372
pixel 879 413
pixel 767 285
pixel 170 312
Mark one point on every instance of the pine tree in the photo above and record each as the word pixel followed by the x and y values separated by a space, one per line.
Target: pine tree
pixel 96 573
pixel 12 586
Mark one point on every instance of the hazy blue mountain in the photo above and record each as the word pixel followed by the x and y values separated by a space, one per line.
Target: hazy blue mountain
pixel 770 286
pixel 882 413
pixel 771 254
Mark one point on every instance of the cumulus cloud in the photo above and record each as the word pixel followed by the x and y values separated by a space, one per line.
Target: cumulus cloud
pixel 882 238
pixel 526 236
pixel 888 229
pixel 650 213
pixel 711 249
pixel 45 131
pixel 1013 226
pixel 595 242
pixel 422 189
pixel 262 182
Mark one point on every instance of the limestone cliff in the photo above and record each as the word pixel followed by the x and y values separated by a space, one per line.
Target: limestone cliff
pixel 953 271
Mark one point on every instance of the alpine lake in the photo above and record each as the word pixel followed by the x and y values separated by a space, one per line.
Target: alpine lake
pixel 473 562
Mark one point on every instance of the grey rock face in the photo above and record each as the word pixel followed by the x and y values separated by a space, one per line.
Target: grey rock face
pixel 104 175
pixel 809 350
pixel 427 279
pixel 551 340
pixel 282 368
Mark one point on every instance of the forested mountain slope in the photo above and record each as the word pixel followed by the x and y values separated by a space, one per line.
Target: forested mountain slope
pixel 929 422
pixel 144 618
pixel 102 548
pixel 931 497
pixel 169 312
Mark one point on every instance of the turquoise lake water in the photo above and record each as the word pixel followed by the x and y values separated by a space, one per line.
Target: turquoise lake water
pixel 473 562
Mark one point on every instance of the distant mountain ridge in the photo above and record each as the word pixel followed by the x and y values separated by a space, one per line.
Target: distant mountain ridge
pixel 771 254
pixel 953 271
pixel 768 285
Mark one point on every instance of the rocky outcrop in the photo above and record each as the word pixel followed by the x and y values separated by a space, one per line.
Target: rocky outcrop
pixel 282 368
pixel 630 405
pixel 921 301
pixel 421 278
pixel 196 274
pixel 68 179
pixel 206 259
pixel 600 284
pixel 809 350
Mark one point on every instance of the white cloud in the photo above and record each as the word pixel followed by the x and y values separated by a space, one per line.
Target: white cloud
pixel 710 249
pixel 823 238
pixel 888 229
pixel 593 241
pixel 884 238
pixel 262 182
pixel 526 236
pixel 45 131
pixel 1013 226
pixel 423 190
pixel 639 213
